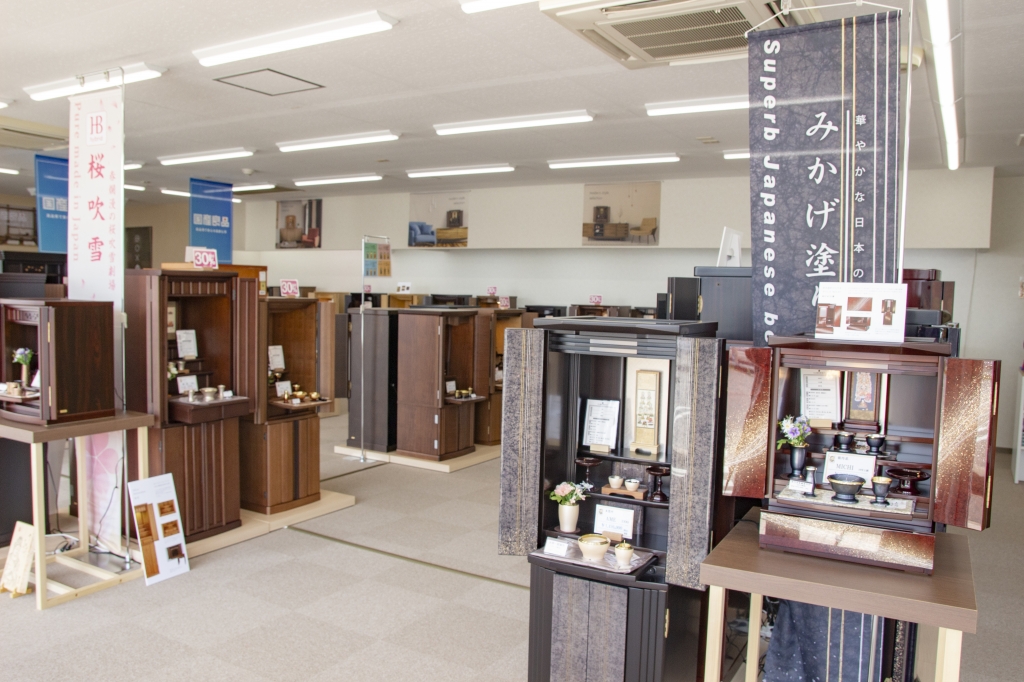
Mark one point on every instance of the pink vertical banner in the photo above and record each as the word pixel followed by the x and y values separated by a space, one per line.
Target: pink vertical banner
pixel 96 270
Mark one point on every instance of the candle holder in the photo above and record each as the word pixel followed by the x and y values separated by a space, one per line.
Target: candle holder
pixel 880 487
pixel 656 473
pixel 809 470
pixel 908 479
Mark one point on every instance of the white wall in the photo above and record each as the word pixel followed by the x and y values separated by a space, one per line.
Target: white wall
pixel 526 241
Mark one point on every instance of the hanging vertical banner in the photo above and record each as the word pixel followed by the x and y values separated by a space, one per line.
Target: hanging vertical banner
pixel 210 208
pixel 824 132
pixel 52 203
pixel 96 269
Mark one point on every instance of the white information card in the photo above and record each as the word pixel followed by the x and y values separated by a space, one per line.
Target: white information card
pixel 187 346
pixel 276 354
pixel 601 423
pixel 614 519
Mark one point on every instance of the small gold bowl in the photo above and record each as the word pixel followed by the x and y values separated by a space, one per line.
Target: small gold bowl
pixel 593 546
pixel 314 395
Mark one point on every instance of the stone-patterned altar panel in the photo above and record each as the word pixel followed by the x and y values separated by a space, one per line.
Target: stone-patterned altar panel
pixel 521 411
pixel 694 444
pixel 570 625
pixel 606 633
pixel 747 422
pixel 967 428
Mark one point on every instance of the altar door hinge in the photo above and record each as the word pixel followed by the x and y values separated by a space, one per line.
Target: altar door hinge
pixel 667 612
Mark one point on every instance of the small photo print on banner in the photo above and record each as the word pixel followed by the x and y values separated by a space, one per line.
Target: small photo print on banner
pixel 212 218
pixel 626 214
pixel 824 165
pixel 865 312
pixel 300 224
pixel 439 220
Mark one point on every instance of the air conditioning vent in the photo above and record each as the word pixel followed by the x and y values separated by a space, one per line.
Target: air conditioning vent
pixel 38 137
pixel 641 34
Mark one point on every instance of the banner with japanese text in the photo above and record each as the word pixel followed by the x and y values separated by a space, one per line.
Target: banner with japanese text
pixel 52 203
pixel 96 270
pixel 209 207
pixel 824 164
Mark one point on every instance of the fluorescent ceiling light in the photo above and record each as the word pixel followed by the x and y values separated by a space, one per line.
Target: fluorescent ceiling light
pixel 736 154
pixel 4 103
pixel 10 171
pixel 697 106
pixel 471 170
pixel 475 6
pixel 132 165
pixel 613 161
pixel 179 193
pixel 294 38
pixel 941 34
pixel 337 141
pixel 310 182
pixel 511 122
pixel 233 153
pixel 251 188
pixel 133 73
pixel 135 188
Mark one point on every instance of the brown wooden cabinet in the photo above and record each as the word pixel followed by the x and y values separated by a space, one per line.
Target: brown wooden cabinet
pixel 280 464
pixel 435 353
pixel 197 442
pixel 73 350
pixel 488 367
pixel 280 461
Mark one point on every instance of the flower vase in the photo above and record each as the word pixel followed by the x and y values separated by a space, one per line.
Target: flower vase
pixel 797 459
pixel 568 515
pixel 24 376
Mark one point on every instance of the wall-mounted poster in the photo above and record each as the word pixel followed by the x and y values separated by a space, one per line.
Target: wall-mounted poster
pixel 439 220
pixel 627 214
pixel 300 224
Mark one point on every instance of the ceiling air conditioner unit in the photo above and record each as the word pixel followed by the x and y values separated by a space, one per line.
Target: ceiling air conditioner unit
pixel 658 32
pixel 18 134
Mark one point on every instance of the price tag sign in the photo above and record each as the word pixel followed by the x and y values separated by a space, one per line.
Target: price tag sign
pixel 205 259
pixel 367 289
pixel 492 291
pixel 290 288
pixel 556 547
pixel 805 487
pixel 504 302
pixel 595 300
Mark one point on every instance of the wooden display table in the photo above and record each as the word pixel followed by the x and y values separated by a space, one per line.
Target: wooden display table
pixel 35 435
pixel 944 600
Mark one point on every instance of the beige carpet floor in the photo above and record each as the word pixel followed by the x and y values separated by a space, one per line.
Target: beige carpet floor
pixel 306 603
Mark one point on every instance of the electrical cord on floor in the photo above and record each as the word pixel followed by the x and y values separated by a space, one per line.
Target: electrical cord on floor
pixel 70 542
pixel 49 472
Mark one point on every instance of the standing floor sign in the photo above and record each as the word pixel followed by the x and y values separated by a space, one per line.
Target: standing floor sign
pixel 824 160
pixel 158 527
pixel 211 217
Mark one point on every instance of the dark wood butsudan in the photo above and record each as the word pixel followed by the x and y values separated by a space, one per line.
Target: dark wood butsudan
pixel 73 350
pixel 381 379
pixel 280 454
pixel 198 442
pixel 489 364
pixel 435 351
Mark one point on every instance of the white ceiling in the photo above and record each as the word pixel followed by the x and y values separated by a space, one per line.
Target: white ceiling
pixel 438 65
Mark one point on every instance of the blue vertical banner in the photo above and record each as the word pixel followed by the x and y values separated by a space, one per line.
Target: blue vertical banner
pixel 52 203
pixel 210 217
pixel 824 164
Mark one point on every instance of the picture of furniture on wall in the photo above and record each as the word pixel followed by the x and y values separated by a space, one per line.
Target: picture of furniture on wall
pixel 439 220
pixel 625 214
pixel 18 225
pixel 299 224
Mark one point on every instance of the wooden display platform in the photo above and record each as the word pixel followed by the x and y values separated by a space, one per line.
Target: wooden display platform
pixel 942 602
pixel 255 524
pixel 484 453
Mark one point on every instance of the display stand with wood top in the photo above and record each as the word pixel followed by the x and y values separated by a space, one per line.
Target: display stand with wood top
pixel 195 441
pixel 491 324
pixel 944 600
pixel 435 346
pixel 35 435
pixel 280 442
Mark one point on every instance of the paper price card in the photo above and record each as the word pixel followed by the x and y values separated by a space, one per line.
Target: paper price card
pixel 204 258
pixel 596 300
pixel 290 288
